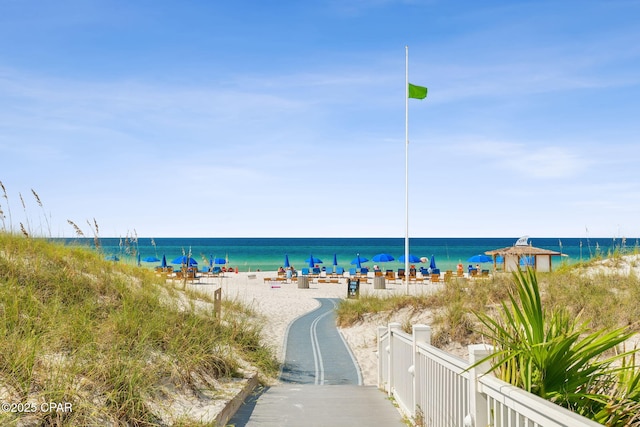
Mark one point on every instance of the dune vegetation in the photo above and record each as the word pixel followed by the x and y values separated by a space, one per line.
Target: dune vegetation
pixel 563 335
pixel 113 343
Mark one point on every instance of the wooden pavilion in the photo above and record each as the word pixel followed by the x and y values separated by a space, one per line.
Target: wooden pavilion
pixel 522 254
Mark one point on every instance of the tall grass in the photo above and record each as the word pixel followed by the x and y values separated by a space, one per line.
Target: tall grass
pixel 109 338
pixel 555 355
pixel 558 335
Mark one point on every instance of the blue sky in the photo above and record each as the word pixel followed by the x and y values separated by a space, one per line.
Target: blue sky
pixel 252 118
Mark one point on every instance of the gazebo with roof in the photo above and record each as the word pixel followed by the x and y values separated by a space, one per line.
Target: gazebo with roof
pixel 523 250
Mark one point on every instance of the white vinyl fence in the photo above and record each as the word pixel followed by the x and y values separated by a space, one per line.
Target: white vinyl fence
pixel 437 389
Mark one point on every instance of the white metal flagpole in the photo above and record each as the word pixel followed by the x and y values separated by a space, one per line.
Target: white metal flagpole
pixel 406 170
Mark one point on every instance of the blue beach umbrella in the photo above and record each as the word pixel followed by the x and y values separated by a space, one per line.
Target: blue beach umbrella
pixel 313 261
pixel 432 263
pixel 164 261
pixel 286 261
pixel 359 260
pixel 383 258
pixel 335 262
pixel 219 261
pixel 412 258
pixel 480 258
pixel 185 260
pixel 151 259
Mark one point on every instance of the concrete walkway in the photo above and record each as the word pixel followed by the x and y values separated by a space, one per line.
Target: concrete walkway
pixel 320 383
pixel 296 405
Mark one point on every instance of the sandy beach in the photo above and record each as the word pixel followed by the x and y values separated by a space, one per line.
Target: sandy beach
pixel 283 304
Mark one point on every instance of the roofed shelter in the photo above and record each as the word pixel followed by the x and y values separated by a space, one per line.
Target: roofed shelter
pixel 523 251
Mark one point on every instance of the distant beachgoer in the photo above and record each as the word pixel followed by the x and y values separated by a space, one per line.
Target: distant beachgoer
pixel 460 268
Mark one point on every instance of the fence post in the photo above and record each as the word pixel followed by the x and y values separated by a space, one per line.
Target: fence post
pixel 479 412
pixel 382 354
pixel 421 334
pixel 394 326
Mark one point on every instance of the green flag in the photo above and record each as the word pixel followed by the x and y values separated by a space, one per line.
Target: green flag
pixel 417 92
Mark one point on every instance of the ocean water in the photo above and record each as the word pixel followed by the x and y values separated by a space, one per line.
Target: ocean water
pixel 267 254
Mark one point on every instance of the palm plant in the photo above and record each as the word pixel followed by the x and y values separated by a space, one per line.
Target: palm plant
pixel 551 354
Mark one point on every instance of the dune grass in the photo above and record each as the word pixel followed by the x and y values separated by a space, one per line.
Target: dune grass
pixel 109 338
pixel 557 334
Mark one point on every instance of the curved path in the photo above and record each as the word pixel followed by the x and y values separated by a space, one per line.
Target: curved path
pixel 321 382
pixel 316 353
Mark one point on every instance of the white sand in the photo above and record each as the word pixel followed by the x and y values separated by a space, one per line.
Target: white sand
pixel 282 305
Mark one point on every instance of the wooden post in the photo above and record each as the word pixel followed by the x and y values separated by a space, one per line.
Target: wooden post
pixel 382 354
pixel 217 303
pixel 394 326
pixel 421 334
pixel 478 411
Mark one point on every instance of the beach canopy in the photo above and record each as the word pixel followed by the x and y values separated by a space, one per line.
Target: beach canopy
pixel 313 261
pixel 412 258
pixel 383 258
pixel 432 263
pixel 184 260
pixel 480 258
pixel 359 260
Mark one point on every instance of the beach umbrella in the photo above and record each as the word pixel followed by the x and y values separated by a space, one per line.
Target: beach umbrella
pixel 151 259
pixel 335 262
pixel 382 258
pixel 185 260
pixel 480 258
pixel 412 258
pixel 286 261
pixel 164 261
pixel 432 263
pixel 358 261
pixel 219 261
pixel 313 261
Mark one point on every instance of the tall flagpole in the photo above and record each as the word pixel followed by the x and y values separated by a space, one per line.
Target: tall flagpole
pixel 406 170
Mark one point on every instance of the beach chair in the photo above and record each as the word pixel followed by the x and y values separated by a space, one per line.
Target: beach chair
pixel 352 272
pixel 316 271
pixel 339 271
pixel 401 274
pixel 305 271
pixel 435 278
pixel 364 271
pixel 390 275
